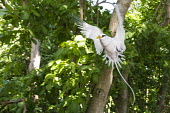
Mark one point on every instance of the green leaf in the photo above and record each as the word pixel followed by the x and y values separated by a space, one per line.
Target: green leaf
pixel 54 67
pixel 25 15
pixel 74 107
pixel 84 67
pixel 76 51
pixel 35 13
pixel 49 86
pixel 51 63
pixel 49 76
pixel 32 34
pixel 44 29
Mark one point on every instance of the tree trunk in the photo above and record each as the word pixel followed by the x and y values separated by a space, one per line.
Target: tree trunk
pixel 167 16
pixel 163 89
pixel 168 12
pixel 35 55
pixel 162 96
pixel 123 100
pixel 35 51
pixel 101 90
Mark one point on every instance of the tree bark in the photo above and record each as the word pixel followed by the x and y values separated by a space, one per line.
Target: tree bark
pixel 161 13
pixel 163 91
pixel 81 9
pixel 124 4
pixel 167 16
pixel 123 100
pixel 163 88
pixel 101 90
pixel 35 55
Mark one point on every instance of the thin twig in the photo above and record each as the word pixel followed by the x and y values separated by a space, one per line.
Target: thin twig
pixel 91 10
pixel 156 11
pixel 97 2
pixel 25 108
pixel 166 20
pixel 104 1
pixel 161 12
pixel 97 13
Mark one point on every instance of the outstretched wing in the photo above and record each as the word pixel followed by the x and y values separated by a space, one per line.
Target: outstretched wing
pixel 120 33
pixel 91 32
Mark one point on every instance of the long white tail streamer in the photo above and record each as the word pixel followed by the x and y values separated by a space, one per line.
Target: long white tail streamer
pixel 134 98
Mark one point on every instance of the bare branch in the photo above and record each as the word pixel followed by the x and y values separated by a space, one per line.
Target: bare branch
pixel 91 10
pixel 104 1
pixel 97 2
pixel 81 8
pixel 25 108
pixel 166 20
pixel 15 101
pixel 161 12
pixel 12 101
pixel 156 11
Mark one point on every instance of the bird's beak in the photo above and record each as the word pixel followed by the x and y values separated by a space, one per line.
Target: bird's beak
pixel 98 37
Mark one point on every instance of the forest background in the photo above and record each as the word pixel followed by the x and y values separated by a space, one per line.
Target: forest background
pixel 48 67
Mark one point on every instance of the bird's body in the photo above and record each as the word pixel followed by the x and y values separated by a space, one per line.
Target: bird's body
pixel 113 50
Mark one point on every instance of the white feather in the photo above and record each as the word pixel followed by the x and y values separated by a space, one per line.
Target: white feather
pixel 92 32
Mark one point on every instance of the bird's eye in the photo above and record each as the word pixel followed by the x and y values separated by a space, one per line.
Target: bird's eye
pixel 103 35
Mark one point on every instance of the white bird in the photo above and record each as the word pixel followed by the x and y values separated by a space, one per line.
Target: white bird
pixel 113 47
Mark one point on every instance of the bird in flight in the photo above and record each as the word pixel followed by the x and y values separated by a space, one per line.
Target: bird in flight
pixel 113 47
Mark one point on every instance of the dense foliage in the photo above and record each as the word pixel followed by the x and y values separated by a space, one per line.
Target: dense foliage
pixel 69 65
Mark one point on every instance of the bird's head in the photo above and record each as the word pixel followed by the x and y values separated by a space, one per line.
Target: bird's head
pixel 101 36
